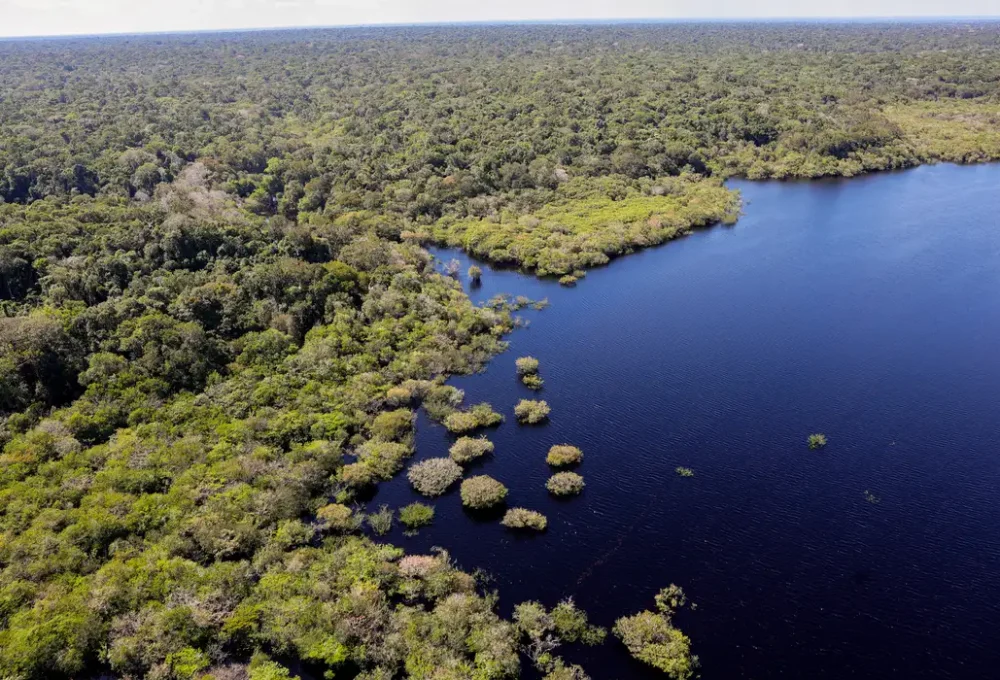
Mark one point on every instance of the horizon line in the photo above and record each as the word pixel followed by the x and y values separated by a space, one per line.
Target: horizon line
pixel 908 18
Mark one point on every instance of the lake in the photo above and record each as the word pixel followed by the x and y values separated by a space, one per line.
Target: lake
pixel 866 309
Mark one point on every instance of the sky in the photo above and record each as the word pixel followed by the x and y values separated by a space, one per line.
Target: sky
pixel 62 17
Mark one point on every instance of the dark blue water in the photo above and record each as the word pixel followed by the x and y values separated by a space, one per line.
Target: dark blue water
pixel 866 309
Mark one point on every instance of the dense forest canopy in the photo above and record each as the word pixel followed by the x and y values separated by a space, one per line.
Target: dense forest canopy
pixel 218 319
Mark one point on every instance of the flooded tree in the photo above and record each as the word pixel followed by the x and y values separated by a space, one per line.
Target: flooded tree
pixel 531 412
pixel 482 492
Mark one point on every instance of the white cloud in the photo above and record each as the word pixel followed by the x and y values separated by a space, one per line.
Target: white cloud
pixel 51 17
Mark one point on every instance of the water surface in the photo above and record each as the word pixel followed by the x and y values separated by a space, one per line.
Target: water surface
pixel 866 309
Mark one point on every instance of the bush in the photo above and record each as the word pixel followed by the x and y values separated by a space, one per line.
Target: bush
pixel 685 472
pixel 392 425
pixel 568 280
pixel 482 492
pixel 565 484
pixel 480 415
pixel 416 515
pixel 475 273
pixel 527 366
pixel 381 521
pixel 384 458
pixel 531 412
pixel 817 441
pixel 468 449
pixel 521 518
pixel 652 638
pixel 357 475
pixel 533 382
pixel 433 477
pixel 562 455
pixel 337 517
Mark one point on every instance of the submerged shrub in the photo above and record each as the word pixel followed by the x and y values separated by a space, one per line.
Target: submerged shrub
pixel 565 484
pixel 480 415
pixel 416 515
pixel 527 366
pixel 468 449
pixel 482 491
pixel 381 521
pixel 561 455
pixel 531 412
pixel 684 472
pixel 522 518
pixel 568 280
pixel 475 274
pixel 817 441
pixel 533 382
pixel 652 638
pixel 433 477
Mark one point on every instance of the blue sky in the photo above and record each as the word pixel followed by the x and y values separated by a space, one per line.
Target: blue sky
pixel 57 17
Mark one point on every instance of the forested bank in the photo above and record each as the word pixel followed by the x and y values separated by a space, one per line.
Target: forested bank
pixel 218 319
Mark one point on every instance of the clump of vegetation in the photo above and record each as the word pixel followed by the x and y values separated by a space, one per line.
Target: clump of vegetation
pixel 872 498
pixel 475 274
pixel 684 472
pixel 568 280
pixel 565 484
pixel 531 412
pixel 652 638
pixel 527 366
pixel 468 449
pixel 434 476
pixel 384 458
pixel 482 492
pixel 562 455
pixel 544 631
pixel 533 382
pixel 380 521
pixel 337 517
pixel 416 515
pixel 817 441
pixel 522 518
pixel 478 416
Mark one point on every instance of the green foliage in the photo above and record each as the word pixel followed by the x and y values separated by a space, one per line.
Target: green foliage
pixel 684 472
pixel 416 515
pixel 468 449
pixel 521 518
pixel 482 491
pixel 475 274
pixel 434 476
pixel 817 441
pixel 212 292
pixel 533 382
pixel 565 484
pixel 562 455
pixel 652 638
pixel 478 416
pixel 527 366
pixel 380 521
pixel 531 412
pixel 262 668
pixel 587 222
pixel 543 631
pixel 337 517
